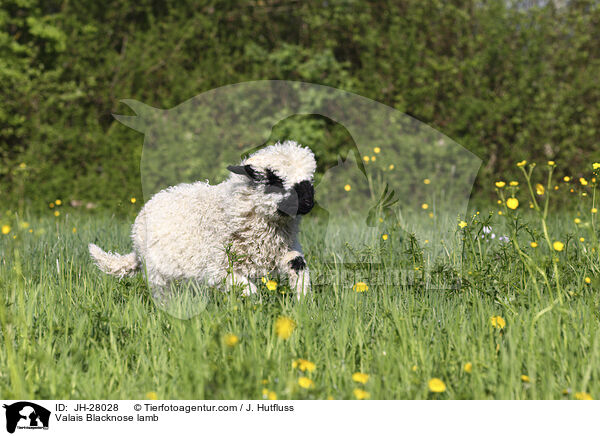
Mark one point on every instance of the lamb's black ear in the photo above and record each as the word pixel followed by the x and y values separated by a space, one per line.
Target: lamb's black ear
pixel 244 170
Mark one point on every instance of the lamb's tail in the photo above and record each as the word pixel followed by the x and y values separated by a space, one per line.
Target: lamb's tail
pixel 120 265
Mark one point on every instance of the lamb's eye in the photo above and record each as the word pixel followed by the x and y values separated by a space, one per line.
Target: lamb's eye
pixel 273 180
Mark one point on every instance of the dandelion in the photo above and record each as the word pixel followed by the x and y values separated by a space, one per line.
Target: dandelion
pixel 462 224
pixel 551 163
pixel 22 165
pixel 360 377
pixel 56 213
pixel 533 244
pixel 522 163
pixel 347 188
pixel 58 202
pixel 51 205
pixel 373 158
pixel 269 395
pixel 304 365
pixel 391 167
pixel 74 230
pixel 512 203
pixel 366 158
pixel 384 237
pixel 151 395
pixel 558 246
pixel 306 383
pixel 468 367
pixel 414 368
pixel 360 287
pixel 360 394
pixel 577 221
pixel 498 322
pixel 587 280
pixel 377 150
pixel 539 189
pixel 514 183
pixel 284 327
pixel 427 181
pixel 596 165
pixel 133 200
pixel 500 184
pixel 430 214
pixel 583 396
pixel 567 179
pixel 231 340
pixel 424 206
pixel 436 385
pixel 525 378
pixel 594 210
pixel 271 285
pixel 5 229
pixel 582 239
pixel 583 181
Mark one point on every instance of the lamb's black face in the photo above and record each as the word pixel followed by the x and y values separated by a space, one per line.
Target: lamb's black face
pixel 299 200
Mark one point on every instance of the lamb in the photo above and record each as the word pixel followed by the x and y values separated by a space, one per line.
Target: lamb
pixel 186 231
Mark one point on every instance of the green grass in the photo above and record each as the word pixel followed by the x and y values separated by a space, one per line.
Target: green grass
pixel 70 332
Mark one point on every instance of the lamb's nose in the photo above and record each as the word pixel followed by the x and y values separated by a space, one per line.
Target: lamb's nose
pixel 306 196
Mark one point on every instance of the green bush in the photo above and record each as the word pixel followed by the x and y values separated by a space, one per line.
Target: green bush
pixel 507 81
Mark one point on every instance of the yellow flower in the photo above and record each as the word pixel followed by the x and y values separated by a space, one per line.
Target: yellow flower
pixel 525 378
pixel 347 188
pixel 366 158
pixel 583 181
pixel 539 189
pixel 566 178
pixel 360 377
pixel 306 383
pixel 430 214
pixel 361 395
pixel 414 368
pixel 512 203
pixel 74 229
pixel 462 224
pixel 577 221
pixel 514 183
pixel 151 395
pixel 534 244
pixel 522 163
pixel 551 163
pixel 499 212
pixel 384 237
pixel 5 229
pixel 22 165
pixel 424 206
pixel 51 205
pixel 58 202
pixel 468 367
pixel 360 287
pixel 271 285
pixel 272 396
pixel 583 396
pixel 133 200
pixel 596 165
pixel 391 167
pixel 588 280
pixel 284 327
pixel 500 184
pixel 498 322
pixel 582 239
pixel 427 181
pixel 558 246
pixel 373 158
pixel 231 340
pixel 594 210
pixel 377 150
pixel 436 385
pixel 304 365
pixel 56 213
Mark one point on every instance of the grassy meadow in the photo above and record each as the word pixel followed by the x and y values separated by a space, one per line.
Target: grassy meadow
pixel 522 324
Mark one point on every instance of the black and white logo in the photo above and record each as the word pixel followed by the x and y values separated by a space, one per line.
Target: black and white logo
pixel 26 415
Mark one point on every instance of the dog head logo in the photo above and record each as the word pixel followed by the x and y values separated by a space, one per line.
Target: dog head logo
pixel 26 415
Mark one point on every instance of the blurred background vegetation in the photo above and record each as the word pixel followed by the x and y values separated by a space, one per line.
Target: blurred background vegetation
pixel 507 80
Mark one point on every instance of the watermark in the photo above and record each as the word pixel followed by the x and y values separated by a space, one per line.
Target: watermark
pixel 394 185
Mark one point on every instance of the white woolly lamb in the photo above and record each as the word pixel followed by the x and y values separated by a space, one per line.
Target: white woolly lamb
pixel 182 232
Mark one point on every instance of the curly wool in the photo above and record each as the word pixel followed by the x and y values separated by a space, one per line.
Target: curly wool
pixel 182 232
